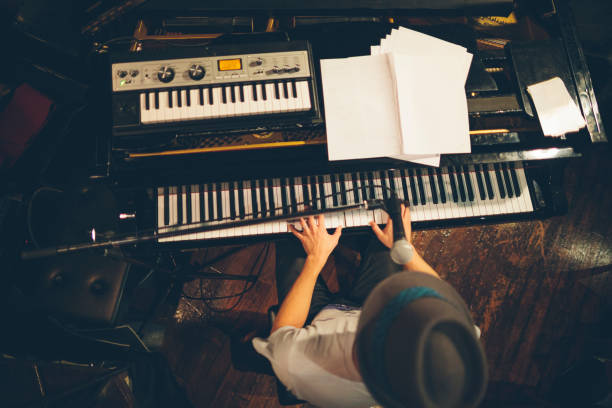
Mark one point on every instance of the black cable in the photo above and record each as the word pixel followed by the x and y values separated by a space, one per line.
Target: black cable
pixel 207 299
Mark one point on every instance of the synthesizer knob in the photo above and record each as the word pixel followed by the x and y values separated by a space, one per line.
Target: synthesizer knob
pixel 121 74
pixel 276 69
pixel 165 74
pixel 197 72
pixel 257 62
pixel 134 72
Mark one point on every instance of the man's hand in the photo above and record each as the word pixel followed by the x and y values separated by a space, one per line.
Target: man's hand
pixel 317 243
pixel 386 235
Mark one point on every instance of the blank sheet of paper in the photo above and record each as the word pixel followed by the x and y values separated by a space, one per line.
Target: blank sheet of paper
pixel 433 113
pixel 360 112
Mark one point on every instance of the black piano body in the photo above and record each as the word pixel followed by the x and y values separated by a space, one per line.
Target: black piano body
pixel 512 173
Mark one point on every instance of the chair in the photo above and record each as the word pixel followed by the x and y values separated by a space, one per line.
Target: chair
pixel 285 397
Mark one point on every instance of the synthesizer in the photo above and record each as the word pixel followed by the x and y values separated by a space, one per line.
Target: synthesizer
pixel 195 91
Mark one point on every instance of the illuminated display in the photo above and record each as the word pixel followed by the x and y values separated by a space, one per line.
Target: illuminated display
pixel 230 64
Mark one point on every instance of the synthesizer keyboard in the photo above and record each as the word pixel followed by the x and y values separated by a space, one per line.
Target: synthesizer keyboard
pixel 475 191
pixel 208 90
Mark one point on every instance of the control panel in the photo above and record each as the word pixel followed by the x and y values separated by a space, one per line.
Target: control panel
pixel 185 72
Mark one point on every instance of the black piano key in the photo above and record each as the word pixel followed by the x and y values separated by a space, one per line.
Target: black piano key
pixel 179 100
pixel 188 97
pixel 293 195
pixel 273 204
pixel 468 183
pixel 294 89
pixel 334 189
pixel 232 94
pixel 262 197
pixel 241 212
pixel 224 94
pixel 364 186
pixel 321 188
pixel 314 192
pixel 156 100
pixel 453 183
pixel 170 98
pixel 432 184
pixel 343 196
pixel 413 187
pixel 419 177
pixel 210 96
pixel 232 200
pixel 480 182
pixel 254 87
pixel 166 206
pixel 354 178
pixel 241 92
pixel 276 91
pixel 460 184
pixel 264 94
pixel 285 90
pixel 372 186
pixel 202 204
pixel 404 176
pixel 515 183
pixel 487 178
pixel 441 185
pixel 219 193
pixel 500 181
pixel 383 183
pixel 147 103
pixel 391 180
pixel 179 204
pixel 305 191
pixel 254 186
pixel 506 173
pixel 188 197
pixel 201 93
pixel 286 194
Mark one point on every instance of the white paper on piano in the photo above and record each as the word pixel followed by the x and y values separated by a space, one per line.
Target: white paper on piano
pixel 557 111
pixel 433 114
pixel 361 116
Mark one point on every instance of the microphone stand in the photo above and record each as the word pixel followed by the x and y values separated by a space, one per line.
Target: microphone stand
pixel 152 235
pixel 402 250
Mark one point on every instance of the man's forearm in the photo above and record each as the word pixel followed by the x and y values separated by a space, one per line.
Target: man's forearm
pixel 294 309
pixel 418 264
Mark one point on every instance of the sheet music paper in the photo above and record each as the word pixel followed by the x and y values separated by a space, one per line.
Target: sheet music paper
pixel 424 87
pixel 360 112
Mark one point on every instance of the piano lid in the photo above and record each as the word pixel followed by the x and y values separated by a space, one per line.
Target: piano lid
pixel 326 7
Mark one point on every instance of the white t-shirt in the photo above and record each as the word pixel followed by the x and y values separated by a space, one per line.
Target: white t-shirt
pixel 316 362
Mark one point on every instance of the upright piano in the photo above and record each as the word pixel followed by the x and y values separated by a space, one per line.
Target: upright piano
pixel 216 116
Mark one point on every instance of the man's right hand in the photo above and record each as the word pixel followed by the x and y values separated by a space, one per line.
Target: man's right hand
pixel 386 235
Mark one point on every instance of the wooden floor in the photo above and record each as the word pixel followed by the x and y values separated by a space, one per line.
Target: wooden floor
pixel 538 290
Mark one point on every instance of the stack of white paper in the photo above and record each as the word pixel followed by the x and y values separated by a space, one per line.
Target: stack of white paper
pixel 556 109
pixel 406 100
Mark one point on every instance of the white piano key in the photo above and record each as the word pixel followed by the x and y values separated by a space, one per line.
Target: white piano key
pixel 304 92
pixel 284 107
pixel 194 109
pixel 163 113
pixel 174 111
pixel 272 104
pixel 292 102
pixel 225 200
pixel 195 203
pixel 216 103
pixel 183 192
pixel 160 207
pixel 478 206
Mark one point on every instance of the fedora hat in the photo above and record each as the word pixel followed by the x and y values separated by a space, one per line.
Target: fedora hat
pixel 417 345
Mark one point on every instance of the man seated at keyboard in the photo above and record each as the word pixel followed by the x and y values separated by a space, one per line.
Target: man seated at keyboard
pixel 401 338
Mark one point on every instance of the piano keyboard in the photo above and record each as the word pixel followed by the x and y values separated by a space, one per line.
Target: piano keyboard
pixel 452 192
pixel 224 101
